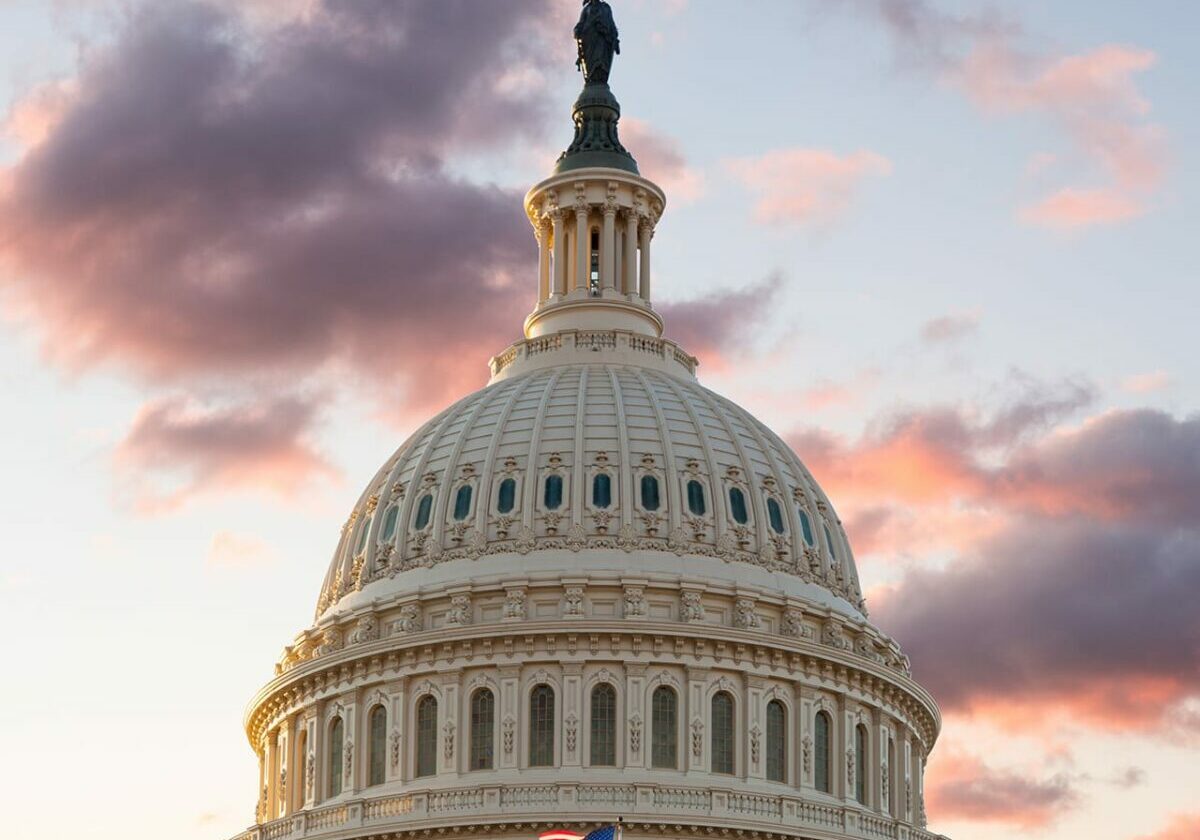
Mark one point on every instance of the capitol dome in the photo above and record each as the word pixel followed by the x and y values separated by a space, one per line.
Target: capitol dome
pixel 593 590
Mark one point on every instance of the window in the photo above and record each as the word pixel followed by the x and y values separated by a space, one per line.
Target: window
pixel 335 756
pixel 552 497
pixel 462 503
pixel 737 506
pixel 775 516
pixel 506 499
pixel 362 537
pixel 389 524
pixel 649 492
pixel 604 725
pixel 483 727
pixel 601 490
pixel 695 494
pixel 806 527
pixel 860 764
pixel 594 275
pixel 424 509
pixel 426 736
pixel 541 726
pixel 776 742
pixel 664 728
pixel 829 542
pixel 722 733
pixel 822 752
pixel 378 721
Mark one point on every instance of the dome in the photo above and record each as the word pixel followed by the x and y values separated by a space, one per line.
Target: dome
pixel 650 471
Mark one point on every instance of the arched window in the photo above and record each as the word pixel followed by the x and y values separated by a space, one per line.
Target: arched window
pixel 776 742
pixel 378 722
pixel 604 725
pixel 335 756
pixel 483 727
pixel 664 728
pixel 426 736
pixel 462 503
pixel 822 752
pixel 775 516
pixel 806 527
pixel 362 536
pixel 541 726
pixel 737 506
pixel 424 509
pixel 506 499
pixel 552 496
pixel 601 490
pixel 389 524
pixel 860 764
pixel 649 492
pixel 829 542
pixel 594 274
pixel 722 733
pixel 301 766
pixel 695 494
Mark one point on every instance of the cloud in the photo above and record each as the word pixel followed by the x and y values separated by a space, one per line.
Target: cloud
pixel 1146 383
pixel 1092 98
pixel 661 159
pixel 238 551
pixel 711 326
pixel 177 451
pixel 806 187
pixel 947 328
pixel 1181 827
pixel 963 787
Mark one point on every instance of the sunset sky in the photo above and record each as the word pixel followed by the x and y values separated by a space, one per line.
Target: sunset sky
pixel 947 248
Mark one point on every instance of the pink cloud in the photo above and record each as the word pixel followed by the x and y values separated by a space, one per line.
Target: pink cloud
pixel 661 159
pixel 1072 208
pixel 1146 383
pixel 708 326
pixel 238 551
pixel 806 186
pixel 1181 827
pixel 177 451
pixel 947 328
pixel 963 787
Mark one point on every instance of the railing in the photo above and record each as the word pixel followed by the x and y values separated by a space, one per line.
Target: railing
pixel 591 340
pixel 434 809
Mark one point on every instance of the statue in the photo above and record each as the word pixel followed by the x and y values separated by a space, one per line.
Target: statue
pixel 596 35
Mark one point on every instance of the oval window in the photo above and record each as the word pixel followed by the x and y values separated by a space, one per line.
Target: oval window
pixel 602 490
pixel 737 506
pixel 552 497
pixel 695 493
pixel 506 499
pixel 424 509
pixel 806 527
pixel 775 515
pixel 649 492
pixel 389 524
pixel 462 503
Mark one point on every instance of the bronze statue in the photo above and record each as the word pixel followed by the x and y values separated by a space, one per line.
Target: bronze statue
pixel 596 35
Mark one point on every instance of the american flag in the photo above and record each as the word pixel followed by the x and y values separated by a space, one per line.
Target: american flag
pixel 608 832
pixel 559 834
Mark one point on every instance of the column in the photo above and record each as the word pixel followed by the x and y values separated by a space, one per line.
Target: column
pixel 608 246
pixel 583 247
pixel 543 237
pixel 508 714
pixel 283 777
pixel 560 253
pixel 351 748
pixel 629 286
pixel 645 233
pixel 755 727
pixel 637 716
pixel 311 768
pixel 259 809
pixel 452 735
pixel 573 739
pixel 271 783
pixel 697 721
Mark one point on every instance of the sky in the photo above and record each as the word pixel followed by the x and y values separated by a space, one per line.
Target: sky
pixel 946 249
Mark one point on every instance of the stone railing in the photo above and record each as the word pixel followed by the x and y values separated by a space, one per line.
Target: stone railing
pixel 663 352
pixel 557 804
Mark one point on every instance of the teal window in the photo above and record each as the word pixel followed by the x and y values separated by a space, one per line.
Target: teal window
pixel 601 490
pixel 541 726
pixel 336 730
pixel 378 745
pixel 775 516
pixel 424 510
pixel 829 542
pixel 722 733
pixel 806 527
pixel 389 524
pixel 426 736
pixel 650 492
pixel 822 752
pixel 552 496
pixel 362 537
pixel 695 494
pixel 737 506
pixel 776 742
pixel 506 499
pixel 462 503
